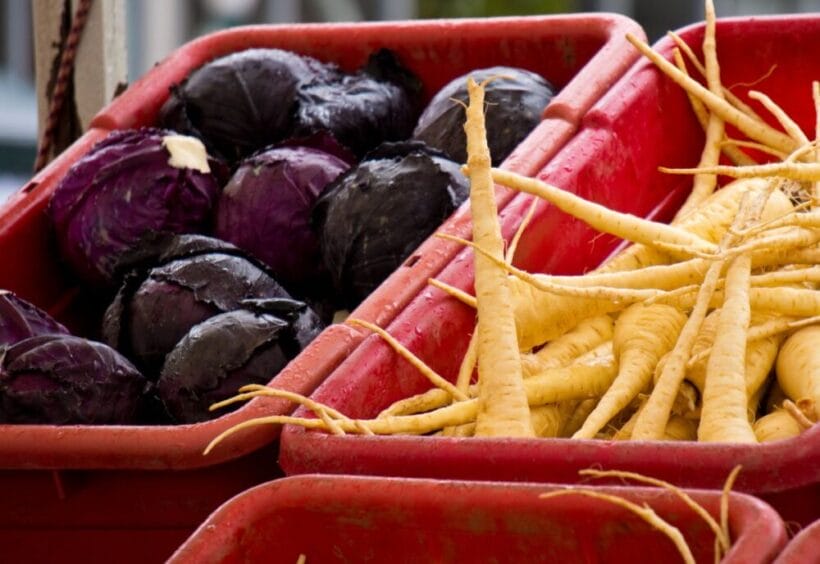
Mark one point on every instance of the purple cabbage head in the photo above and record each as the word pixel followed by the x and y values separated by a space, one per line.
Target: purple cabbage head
pixel 193 279
pixel 228 351
pixel 63 379
pixel 378 103
pixel 242 102
pixel 516 98
pixel 131 185
pixel 265 209
pixel 20 319
pixel 375 215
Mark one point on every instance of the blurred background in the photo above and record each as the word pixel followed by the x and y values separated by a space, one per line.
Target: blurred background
pixel 154 28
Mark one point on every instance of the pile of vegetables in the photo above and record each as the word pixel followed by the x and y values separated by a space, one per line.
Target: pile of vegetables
pixel 700 330
pixel 275 190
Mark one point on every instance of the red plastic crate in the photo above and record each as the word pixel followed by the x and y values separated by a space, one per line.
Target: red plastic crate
pixel 582 54
pixel 804 548
pixel 101 482
pixel 643 122
pixel 363 519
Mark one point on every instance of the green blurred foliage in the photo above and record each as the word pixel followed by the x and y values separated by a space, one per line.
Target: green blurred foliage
pixel 481 8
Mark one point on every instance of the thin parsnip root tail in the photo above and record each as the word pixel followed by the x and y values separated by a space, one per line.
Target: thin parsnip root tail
pixel 417 363
pixel 454 292
pixel 727 93
pixel 705 184
pixel 645 513
pixel 805 172
pixel 724 500
pixel 682 495
pixel 623 225
pixel 754 128
pixel 503 409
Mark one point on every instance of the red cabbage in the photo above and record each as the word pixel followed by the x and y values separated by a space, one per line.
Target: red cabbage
pixel 230 350
pixel 265 209
pixel 121 192
pixel 515 100
pixel 63 379
pixel 376 104
pixel 371 218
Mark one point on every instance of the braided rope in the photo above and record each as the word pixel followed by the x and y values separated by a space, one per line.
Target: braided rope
pixel 65 70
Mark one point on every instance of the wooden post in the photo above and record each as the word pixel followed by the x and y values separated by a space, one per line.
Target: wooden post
pixel 99 68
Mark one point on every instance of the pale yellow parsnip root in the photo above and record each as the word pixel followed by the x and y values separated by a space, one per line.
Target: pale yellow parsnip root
pixel 652 420
pixel 776 426
pixel 503 409
pixel 725 401
pixel 561 351
pixel 643 334
pixel 763 342
pixel 798 368
pixel 704 184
